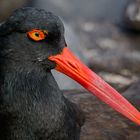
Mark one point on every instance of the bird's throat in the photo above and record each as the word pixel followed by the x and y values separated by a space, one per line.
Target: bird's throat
pixel 33 84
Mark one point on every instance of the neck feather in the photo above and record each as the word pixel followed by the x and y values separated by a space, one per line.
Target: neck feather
pixel 34 83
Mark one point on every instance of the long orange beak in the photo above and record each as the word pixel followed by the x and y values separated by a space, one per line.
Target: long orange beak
pixel 68 64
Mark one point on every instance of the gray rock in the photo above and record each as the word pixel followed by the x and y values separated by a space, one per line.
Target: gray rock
pixel 8 6
pixel 132 15
pixel 133 94
pixel 110 49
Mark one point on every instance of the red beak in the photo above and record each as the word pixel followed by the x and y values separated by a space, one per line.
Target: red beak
pixel 68 64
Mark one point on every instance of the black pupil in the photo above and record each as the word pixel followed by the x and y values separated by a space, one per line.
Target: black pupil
pixel 37 34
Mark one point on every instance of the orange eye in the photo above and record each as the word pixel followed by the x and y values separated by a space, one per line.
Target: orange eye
pixel 37 35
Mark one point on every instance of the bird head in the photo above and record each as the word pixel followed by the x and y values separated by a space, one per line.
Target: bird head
pixel 35 38
pixel 31 36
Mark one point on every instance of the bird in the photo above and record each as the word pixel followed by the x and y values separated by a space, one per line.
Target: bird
pixel 32 107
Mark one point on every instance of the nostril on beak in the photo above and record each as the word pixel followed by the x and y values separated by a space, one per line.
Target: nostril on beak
pixel 73 65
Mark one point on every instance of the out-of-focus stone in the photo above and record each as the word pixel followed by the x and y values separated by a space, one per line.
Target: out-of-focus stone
pixel 118 81
pixel 110 49
pixel 7 6
pixel 133 93
pixel 132 15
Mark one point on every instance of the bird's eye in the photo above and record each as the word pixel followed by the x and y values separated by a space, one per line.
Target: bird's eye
pixel 37 34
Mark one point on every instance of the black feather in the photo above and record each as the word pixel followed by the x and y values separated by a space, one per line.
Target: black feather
pixel 31 105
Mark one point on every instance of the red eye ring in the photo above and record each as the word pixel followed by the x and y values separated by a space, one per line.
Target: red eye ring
pixel 37 34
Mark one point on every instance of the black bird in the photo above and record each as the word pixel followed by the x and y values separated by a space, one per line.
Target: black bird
pixel 31 105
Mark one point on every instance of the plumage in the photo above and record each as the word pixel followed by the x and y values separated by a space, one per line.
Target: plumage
pixel 31 105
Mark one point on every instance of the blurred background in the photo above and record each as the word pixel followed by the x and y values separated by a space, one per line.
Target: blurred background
pixel 105 34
